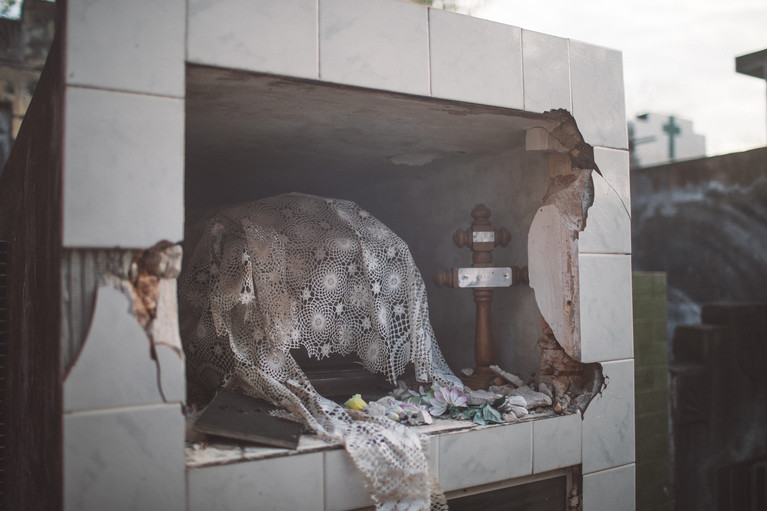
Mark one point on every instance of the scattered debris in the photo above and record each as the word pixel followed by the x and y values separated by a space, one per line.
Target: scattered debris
pixel 533 398
pixel 515 380
pixel 481 397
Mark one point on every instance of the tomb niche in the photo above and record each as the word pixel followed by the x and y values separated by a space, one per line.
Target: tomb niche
pixel 417 164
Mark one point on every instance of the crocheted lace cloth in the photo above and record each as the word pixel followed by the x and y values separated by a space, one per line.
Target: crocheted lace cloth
pixel 298 271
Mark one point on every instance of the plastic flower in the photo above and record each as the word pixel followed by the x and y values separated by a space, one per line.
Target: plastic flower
pixel 355 403
pixel 445 397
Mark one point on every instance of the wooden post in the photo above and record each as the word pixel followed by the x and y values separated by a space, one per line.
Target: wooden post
pixel 481 238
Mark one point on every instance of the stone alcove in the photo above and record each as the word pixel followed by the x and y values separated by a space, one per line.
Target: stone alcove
pixel 418 164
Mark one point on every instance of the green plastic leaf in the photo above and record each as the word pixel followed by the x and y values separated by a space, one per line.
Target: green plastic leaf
pixel 490 414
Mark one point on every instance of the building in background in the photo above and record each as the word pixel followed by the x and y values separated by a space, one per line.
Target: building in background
pixel 24 45
pixel 753 64
pixel 657 139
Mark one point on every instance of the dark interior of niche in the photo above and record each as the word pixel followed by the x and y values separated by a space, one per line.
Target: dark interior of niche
pixel 417 164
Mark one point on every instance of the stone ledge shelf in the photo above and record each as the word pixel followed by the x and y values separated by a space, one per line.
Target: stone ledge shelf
pixel 460 454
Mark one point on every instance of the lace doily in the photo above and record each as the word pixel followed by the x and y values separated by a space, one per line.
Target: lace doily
pixel 298 271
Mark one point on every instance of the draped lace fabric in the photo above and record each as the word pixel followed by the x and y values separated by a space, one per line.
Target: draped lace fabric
pixel 298 271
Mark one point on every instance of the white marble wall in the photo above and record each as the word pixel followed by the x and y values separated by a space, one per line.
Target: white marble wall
pixel 123 186
pixel 124 133
pixel 123 445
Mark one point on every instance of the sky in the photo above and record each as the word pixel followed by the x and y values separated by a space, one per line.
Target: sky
pixel 678 56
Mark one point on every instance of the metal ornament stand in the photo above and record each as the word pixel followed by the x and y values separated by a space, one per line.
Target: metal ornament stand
pixel 482 277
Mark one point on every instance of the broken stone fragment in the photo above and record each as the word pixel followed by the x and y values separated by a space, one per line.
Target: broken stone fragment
pixel 513 379
pixel 480 397
pixel 162 260
pixel 562 403
pixel 512 401
pixel 533 398
pixel 542 387
pixel 518 401
pixel 519 411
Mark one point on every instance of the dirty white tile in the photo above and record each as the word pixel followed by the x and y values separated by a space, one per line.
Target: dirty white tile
pixel 431 449
pixel 599 105
pixel 608 422
pixel 610 490
pixel 286 483
pixel 556 442
pixel 546 72
pixel 114 368
pixel 135 46
pixel 475 60
pixel 125 459
pixel 123 169
pixel 344 483
pixel 605 307
pixel 485 455
pixel 614 165
pixel 608 224
pixel 255 35
pixel 377 44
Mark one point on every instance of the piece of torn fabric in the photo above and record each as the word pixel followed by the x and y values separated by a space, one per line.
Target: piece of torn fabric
pixel 298 271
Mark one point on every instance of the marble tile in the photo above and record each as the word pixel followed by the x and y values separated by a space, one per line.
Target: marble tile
pixel 475 60
pixel 608 228
pixel 344 483
pixel 599 105
pixel 605 307
pixel 377 44
pixel 556 442
pixel 485 455
pixel 432 454
pixel 610 490
pixel 608 422
pixel 546 71
pixel 134 46
pixel 126 459
pixel 287 483
pixel 255 35
pixel 123 169
pixel 608 224
pixel 114 368
pixel 614 165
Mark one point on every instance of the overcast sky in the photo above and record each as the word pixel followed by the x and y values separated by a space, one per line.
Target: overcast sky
pixel 678 56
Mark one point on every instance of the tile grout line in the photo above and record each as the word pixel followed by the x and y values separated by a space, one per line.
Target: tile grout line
pixel 122 91
pixel 570 77
pixel 319 41
pixel 610 468
pixel 122 409
pixel 186 42
pixel 522 65
pixel 428 50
